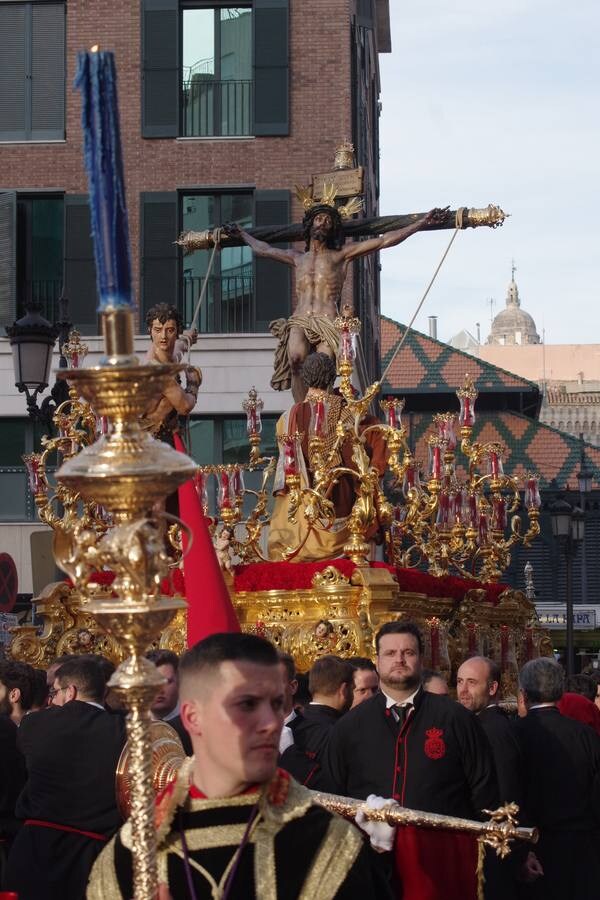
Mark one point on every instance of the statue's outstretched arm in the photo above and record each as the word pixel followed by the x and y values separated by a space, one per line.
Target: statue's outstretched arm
pixel 261 248
pixel 392 238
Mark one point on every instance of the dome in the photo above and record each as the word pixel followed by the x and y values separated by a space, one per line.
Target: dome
pixel 513 325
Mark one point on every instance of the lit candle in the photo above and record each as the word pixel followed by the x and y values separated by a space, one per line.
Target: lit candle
pixel 289 458
pixel 97 80
pixel 318 418
pixel 224 498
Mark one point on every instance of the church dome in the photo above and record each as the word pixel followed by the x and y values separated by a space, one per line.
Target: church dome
pixel 513 325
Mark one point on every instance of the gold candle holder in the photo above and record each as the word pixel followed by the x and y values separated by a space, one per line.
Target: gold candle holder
pixel 128 472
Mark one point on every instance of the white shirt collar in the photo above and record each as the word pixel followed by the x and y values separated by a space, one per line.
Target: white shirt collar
pixel 93 703
pixel 540 706
pixel 290 717
pixel 389 701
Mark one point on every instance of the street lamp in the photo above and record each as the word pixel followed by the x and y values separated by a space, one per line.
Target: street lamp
pixel 32 339
pixel 568 528
pixel 584 482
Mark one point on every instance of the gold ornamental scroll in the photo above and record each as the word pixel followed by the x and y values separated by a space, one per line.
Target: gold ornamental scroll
pixel 497 832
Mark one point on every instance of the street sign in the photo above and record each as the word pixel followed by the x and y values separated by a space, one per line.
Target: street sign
pixel 585 618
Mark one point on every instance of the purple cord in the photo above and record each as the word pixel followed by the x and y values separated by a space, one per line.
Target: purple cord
pixel 186 860
pixel 234 868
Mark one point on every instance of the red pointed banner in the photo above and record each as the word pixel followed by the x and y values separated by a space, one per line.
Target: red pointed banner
pixel 210 609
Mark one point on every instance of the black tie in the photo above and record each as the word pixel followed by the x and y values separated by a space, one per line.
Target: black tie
pixel 403 713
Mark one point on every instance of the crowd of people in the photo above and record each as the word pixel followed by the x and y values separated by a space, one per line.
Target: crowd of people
pixel 239 822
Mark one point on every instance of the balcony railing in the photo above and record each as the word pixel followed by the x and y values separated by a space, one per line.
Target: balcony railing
pixel 43 293
pixel 216 108
pixel 228 305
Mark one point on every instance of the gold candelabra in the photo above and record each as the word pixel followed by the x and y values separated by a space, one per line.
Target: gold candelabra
pixel 128 473
pixel 77 426
pixel 453 522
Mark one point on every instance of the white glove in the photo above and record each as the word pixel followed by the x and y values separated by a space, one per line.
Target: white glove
pixel 380 834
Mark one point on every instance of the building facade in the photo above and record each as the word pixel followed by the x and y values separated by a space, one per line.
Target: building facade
pixel 224 107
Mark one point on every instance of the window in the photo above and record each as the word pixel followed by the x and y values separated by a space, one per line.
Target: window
pixel 225 441
pixel 228 305
pixel 40 227
pixel 31 253
pixel 19 436
pixel 215 68
pixel 32 71
pixel 216 78
pixel 243 294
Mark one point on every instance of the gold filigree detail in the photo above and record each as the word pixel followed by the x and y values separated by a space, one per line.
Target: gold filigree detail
pixel 329 577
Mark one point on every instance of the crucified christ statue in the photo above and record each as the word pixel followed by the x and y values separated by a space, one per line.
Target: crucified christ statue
pixel 320 275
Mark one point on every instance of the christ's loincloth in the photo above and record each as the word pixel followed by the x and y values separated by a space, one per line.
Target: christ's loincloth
pixel 317 330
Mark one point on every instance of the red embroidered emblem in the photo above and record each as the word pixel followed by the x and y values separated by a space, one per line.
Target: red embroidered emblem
pixel 434 747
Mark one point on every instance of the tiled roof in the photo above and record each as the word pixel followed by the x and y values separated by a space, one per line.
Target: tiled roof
pixel 530 446
pixel 425 365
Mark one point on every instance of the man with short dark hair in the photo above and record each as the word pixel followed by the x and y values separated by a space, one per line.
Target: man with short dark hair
pixel 562 787
pixel 417 748
pixel 246 828
pixel 292 718
pixel 365 680
pixel 16 689
pixel 162 416
pixel 165 705
pixel 68 804
pixel 434 682
pixel 478 689
pixel 330 684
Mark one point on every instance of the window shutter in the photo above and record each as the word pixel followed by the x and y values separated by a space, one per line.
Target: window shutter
pixel 160 68
pixel 272 279
pixel 364 13
pixel 8 278
pixel 159 256
pixel 80 268
pixel 48 72
pixel 13 72
pixel 271 67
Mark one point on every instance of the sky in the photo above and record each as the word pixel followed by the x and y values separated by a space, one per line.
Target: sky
pixel 495 103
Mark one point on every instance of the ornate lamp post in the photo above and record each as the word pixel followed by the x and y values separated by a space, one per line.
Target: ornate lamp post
pixel 32 339
pixel 584 482
pixel 568 528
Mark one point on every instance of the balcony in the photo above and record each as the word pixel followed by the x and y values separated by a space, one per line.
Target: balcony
pixel 228 305
pixel 215 108
pixel 42 293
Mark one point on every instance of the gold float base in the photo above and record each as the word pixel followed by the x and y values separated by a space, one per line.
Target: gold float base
pixel 336 615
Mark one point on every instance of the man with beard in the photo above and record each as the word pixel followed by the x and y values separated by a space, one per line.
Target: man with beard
pixel 233 824
pixel 16 689
pixel 422 751
pixel 478 689
pixel 320 275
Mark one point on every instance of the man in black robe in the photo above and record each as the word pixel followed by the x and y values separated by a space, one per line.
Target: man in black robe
pixel 562 782
pixel 477 689
pixel 330 682
pixel 415 747
pixel 233 822
pixel 68 803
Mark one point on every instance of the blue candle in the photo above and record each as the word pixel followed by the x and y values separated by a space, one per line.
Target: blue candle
pixel 97 80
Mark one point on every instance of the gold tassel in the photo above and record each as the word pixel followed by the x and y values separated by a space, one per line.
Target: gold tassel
pixel 480 875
